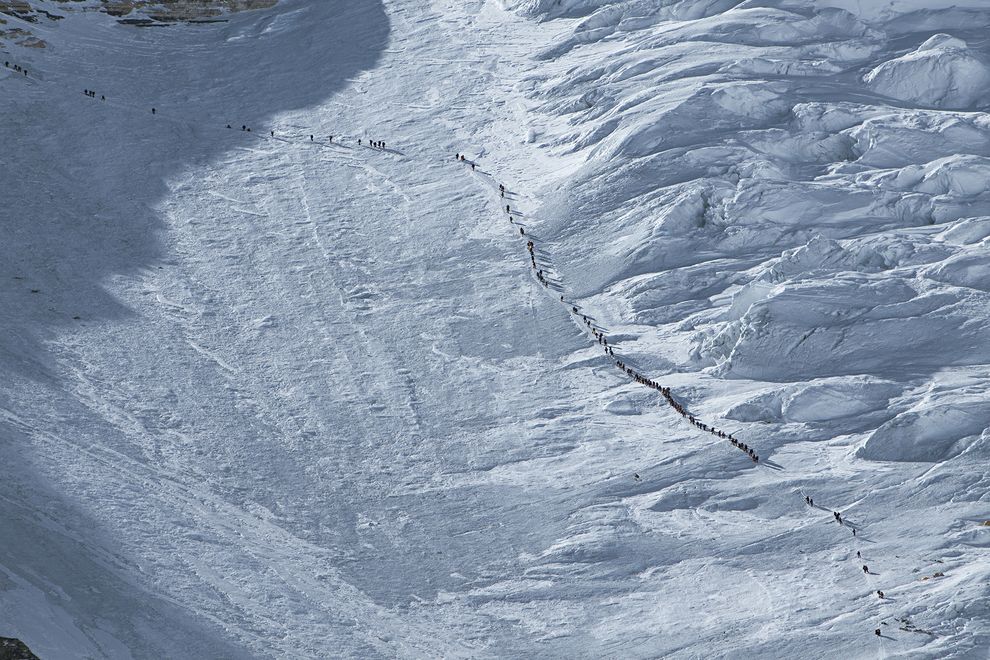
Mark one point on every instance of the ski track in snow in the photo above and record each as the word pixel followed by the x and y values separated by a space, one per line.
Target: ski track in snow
pixel 327 412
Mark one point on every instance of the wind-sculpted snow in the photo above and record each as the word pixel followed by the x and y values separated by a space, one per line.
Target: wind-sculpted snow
pixel 553 8
pixel 727 151
pixel 274 393
pixel 942 72
pixel 941 429
pixel 789 200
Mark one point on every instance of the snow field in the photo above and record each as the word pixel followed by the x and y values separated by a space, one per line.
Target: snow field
pixel 314 405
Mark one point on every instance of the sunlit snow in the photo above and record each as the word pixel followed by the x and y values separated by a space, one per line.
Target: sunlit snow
pixel 280 394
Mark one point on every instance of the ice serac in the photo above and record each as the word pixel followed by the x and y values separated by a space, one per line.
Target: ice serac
pixel 553 8
pixel 933 434
pixel 782 206
pixel 942 72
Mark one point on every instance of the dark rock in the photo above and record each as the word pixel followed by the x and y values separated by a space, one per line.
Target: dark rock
pixel 15 649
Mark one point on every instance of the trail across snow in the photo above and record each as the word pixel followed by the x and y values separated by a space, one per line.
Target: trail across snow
pixel 270 396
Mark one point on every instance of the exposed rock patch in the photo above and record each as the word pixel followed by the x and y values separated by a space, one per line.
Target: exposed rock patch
pixel 141 13
pixel 15 649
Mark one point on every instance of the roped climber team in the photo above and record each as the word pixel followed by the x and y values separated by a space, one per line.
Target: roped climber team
pixel 600 337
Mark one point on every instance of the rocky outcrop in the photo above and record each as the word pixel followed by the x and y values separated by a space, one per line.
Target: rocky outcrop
pixel 141 13
pixel 168 11
pixel 15 649
pixel 165 11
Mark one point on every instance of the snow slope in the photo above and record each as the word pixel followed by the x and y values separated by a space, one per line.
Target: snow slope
pixel 273 397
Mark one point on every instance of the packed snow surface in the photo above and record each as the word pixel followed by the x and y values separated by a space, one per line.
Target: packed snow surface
pixel 273 395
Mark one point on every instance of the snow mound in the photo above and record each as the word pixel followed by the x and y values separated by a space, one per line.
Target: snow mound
pixel 933 433
pixel 957 175
pixel 624 406
pixel 933 10
pixel 553 8
pixel 966 232
pixel 968 269
pixel 849 324
pixel 831 117
pixel 820 401
pixel 681 496
pixel 820 254
pixel 743 104
pixel 764 407
pixel 897 139
pixel 836 399
pixel 943 72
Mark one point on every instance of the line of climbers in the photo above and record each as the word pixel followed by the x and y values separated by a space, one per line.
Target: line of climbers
pixel 599 336
pixel 374 144
pixel 837 517
pixel 17 67
pixel 460 157
pixel 669 397
pixel 643 380
pixel 602 339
